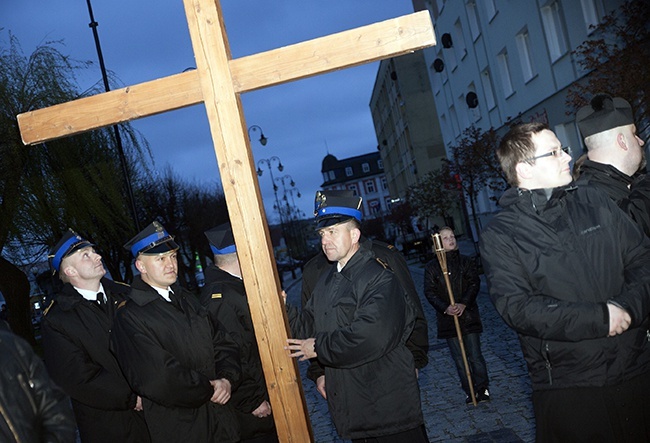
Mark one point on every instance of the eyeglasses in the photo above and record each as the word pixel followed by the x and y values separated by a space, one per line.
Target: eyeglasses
pixel 557 152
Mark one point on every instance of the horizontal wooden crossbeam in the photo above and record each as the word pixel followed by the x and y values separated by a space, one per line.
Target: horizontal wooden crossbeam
pixel 381 40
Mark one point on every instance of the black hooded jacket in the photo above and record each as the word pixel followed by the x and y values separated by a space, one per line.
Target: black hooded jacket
pixel 552 267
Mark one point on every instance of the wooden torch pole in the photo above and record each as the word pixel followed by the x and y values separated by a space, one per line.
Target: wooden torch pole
pixel 442 259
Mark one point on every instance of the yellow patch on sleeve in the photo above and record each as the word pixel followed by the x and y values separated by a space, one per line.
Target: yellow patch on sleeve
pixel 217 295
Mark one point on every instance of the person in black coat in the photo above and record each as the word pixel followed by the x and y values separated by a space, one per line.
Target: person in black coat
pixel 465 284
pixel 33 409
pixel 418 341
pixel 356 324
pixel 224 296
pixel 75 331
pixel 570 273
pixel 183 369
pixel 615 157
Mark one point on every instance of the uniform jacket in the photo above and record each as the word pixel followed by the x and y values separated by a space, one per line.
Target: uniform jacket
pixel 32 408
pixel 418 341
pixel 169 356
pixel 225 299
pixel 75 335
pixel 631 194
pixel 361 324
pixel 552 267
pixel 465 284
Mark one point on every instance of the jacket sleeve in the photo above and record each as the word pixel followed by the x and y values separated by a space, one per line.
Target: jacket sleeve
pixel 52 406
pixel 526 310
pixel 83 379
pixel 418 341
pixel 153 371
pixel 434 288
pixel 635 295
pixel 374 329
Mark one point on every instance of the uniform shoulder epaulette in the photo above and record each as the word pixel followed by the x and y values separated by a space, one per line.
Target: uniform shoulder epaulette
pixel 216 295
pixel 121 304
pixel 122 283
pixel 382 262
pixel 48 307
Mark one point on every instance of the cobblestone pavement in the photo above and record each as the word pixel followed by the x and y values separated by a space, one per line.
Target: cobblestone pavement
pixel 507 418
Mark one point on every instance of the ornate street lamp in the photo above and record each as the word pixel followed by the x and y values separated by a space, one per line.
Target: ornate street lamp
pixel 254 128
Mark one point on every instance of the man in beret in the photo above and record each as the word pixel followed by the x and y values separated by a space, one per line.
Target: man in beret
pixel 357 324
pixel 418 342
pixel 224 296
pixel 162 337
pixel 570 273
pixel 75 331
pixel 615 156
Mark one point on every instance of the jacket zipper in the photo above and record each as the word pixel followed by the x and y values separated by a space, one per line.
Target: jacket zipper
pixel 548 365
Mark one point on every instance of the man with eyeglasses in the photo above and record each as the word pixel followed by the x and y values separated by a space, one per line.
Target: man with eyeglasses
pixel 570 273
pixel 615 156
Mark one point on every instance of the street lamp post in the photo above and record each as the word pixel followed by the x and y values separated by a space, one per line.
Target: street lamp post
pixel 118 139
pixel 268 162
pixel 254 128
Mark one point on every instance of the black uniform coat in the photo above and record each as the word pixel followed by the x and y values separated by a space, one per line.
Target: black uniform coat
pixel 224 296
pixel 418 341
pixel 631 194
pixel 361 324
pixel 32 408
pixel 465 284
pixel 169 357
pixel 552 267
pixel 75 335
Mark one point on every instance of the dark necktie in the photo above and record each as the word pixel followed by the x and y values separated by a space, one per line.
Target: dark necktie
pixel 100 300
pixel 175 300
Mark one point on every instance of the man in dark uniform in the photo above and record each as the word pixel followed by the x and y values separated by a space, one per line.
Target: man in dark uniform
pixel 75 331
pixel 465 284
pixel 164 341
pixel 357 323
pixel 615 156
pixel 418 342
pixel 224 296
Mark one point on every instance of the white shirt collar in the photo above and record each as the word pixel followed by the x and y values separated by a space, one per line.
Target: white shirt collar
pixel 90 295
pixel 164 293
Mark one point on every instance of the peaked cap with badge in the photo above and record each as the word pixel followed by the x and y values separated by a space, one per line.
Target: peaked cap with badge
pixel 334 207
pixel 604 112
pixel 221 239
pixel 152 240
pixel 70 243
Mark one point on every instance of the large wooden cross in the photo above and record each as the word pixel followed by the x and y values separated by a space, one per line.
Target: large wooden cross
pixel 218 82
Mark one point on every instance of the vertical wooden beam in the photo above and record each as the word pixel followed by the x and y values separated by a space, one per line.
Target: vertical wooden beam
pixel 237 168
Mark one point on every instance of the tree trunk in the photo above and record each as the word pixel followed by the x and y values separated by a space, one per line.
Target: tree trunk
pixel 14 286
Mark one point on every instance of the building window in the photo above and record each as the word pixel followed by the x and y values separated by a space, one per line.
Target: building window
pixel 325 177
pixel 348 171
pixel 523 46
pixel 472 18
pixel 454 120
pixel 488 89
pixel 459 41
pixel 384 183
pixel 440 4
pixel 504 73
pixel 490 9
pixel 369 186
pixel 590 12
pixel 332 175
pixel 554 30
pixel 374 205
pixel 380 164
pixel 353 188
pixel 365 167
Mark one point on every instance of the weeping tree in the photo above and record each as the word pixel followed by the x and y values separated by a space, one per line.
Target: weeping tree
pixel 74 182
